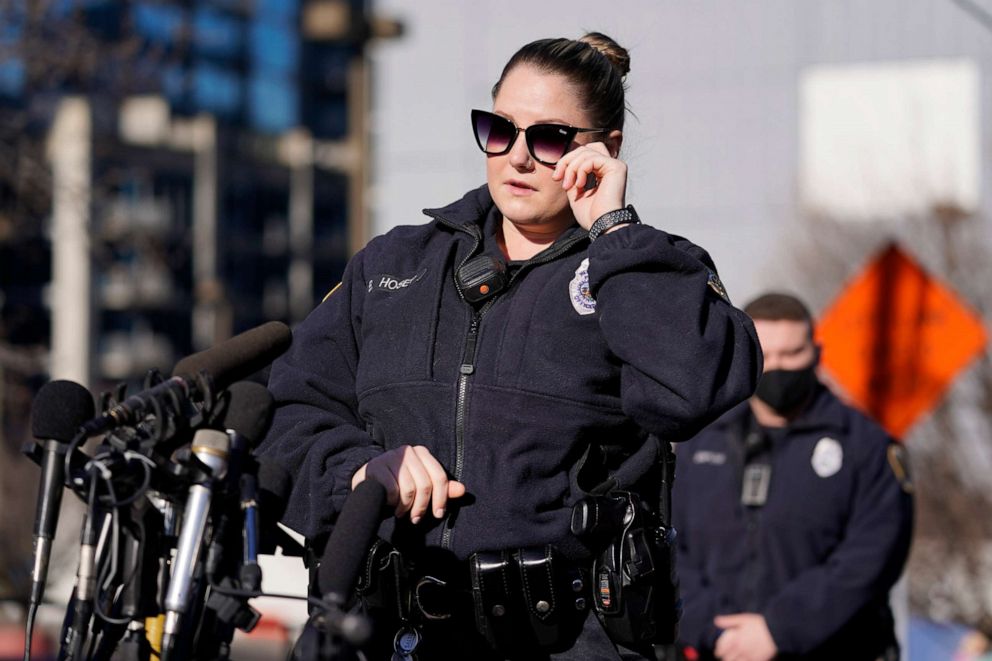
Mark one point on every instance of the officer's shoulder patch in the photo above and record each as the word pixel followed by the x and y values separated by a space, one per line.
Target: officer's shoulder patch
pixel 714 283
pixel 328 294
pixel 899 463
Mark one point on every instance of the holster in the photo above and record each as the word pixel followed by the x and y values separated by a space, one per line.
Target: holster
pixel 635 584
pixel 384 584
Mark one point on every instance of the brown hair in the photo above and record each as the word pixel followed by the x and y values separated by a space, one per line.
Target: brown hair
pixel 595 64
pixel 777 306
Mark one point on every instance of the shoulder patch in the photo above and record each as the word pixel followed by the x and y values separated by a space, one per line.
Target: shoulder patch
pixel 328 294
pixel 713 282
pixel 578 290
pixel 899 463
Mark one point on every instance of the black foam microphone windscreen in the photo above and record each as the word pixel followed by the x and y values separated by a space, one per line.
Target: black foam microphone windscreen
pixel 239 357
pixel 350 540
pixel 225 363
pixel 247 410
pixel 59 409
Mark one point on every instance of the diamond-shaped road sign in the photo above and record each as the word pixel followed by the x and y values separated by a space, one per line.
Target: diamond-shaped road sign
pixel 895 338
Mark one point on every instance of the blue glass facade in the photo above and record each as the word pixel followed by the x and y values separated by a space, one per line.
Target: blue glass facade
pixel 248 65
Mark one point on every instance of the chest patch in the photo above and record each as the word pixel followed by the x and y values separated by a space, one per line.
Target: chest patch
pixel 828 457
pixel 578 290
pixel 709 457
pixel 386 282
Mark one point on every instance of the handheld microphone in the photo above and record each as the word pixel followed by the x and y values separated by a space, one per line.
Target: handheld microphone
pixel 275 485
pixel 353 534
pixel 58 411
pixel 224 363
pixel 246 413
pixel 212 448
pixel 350 540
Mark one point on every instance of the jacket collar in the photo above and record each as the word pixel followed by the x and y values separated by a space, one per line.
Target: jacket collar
pixel 470 210
pixel 824 413
pixel 477 214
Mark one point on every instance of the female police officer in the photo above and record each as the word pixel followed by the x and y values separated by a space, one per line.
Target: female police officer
pixel 469 364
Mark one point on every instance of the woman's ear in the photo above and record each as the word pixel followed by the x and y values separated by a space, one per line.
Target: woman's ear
pixel 613 142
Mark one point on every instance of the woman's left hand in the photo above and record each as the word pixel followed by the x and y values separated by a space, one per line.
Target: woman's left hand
pixel 574 168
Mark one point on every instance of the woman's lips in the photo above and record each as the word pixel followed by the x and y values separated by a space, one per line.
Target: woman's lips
pixel 520 188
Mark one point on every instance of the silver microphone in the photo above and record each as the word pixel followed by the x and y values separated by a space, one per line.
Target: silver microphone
pixel 212 447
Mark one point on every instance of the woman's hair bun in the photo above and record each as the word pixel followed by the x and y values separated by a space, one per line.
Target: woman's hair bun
pixel 614 52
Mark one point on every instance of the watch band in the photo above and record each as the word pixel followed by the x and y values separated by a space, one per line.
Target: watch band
pixel 624 216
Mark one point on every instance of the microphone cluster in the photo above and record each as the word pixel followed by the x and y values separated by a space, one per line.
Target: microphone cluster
pixel 175 505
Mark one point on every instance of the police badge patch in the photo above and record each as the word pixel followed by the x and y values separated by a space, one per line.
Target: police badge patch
pixel 899 463
pixel 828 457
pixel 578 290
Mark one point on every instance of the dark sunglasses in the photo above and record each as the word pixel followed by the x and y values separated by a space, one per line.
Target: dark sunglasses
pixel 547 142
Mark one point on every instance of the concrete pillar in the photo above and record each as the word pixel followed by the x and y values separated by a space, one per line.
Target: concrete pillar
pixel 359 226
pixel 301 224
pixel 70 154
pixel 208 320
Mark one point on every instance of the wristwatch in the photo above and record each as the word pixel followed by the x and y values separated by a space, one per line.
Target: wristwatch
pixel 624 216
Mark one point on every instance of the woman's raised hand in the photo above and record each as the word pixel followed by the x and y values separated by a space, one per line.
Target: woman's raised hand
pixel 414 480
pixel 609 194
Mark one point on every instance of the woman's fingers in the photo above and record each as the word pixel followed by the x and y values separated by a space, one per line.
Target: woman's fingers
pixel 414 479
pixel 438 477
pixel 575 166
pixel 417 496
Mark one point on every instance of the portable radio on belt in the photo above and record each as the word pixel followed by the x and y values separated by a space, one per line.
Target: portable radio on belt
pixel 481 277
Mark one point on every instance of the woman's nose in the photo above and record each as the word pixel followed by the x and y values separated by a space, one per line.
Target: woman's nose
pixel 519 155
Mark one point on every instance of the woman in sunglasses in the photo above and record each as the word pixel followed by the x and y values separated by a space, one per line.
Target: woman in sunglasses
pixel 493 366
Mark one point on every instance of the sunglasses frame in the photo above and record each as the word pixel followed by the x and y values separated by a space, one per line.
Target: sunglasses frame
pixel 569 131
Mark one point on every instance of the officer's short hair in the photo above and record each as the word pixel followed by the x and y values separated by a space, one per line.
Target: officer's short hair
pixel 777 306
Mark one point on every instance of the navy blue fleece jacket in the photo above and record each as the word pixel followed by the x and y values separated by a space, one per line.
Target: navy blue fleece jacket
pixel 818 559
pixel 596 343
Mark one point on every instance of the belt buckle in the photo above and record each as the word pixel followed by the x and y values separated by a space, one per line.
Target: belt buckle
pixel 432 595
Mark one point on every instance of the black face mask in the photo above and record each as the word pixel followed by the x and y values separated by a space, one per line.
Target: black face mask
pixel 785 390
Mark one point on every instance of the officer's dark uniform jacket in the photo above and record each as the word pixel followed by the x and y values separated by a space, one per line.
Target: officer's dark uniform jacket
pixel 819 557
pixel 507 398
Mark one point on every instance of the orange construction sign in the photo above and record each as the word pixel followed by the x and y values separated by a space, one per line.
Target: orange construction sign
pixel 896 338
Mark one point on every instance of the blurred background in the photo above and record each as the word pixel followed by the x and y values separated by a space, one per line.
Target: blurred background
pixel 172 173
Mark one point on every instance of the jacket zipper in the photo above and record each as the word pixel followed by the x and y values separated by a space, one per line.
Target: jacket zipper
pixel 465 370
pixel 467 367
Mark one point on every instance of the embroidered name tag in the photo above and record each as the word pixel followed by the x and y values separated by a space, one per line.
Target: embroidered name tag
pixel 386 282
pixel 709 457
